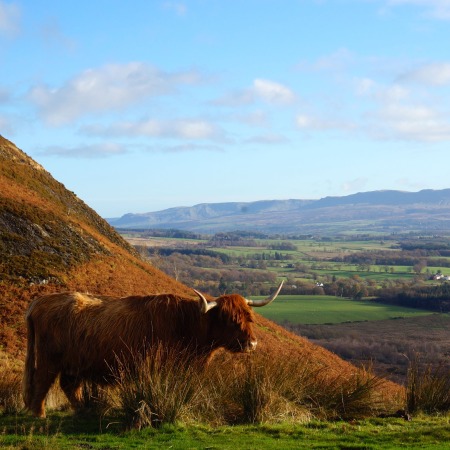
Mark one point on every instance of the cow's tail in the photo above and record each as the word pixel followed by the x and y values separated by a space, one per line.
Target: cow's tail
pixel 28 374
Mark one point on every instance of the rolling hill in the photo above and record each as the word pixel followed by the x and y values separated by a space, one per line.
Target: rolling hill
pixel 52 241
pixel 377 211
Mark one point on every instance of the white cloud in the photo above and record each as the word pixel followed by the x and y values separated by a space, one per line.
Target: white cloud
pixel 394 102
pixel 101 150
pixel 432 74
pixel 392 93
pixel 392 113
pixel 411 122
pixel 111 87
pixel 184 148
pixel 194 129
pixel 306 122
pixel 364 86
pixel 255 118
pixel 438 9
pixel 176 129
pixel 316 123
pixel 269 91
pixel 395 111
pixel 272 91
pixel 9 18
pixel 267 139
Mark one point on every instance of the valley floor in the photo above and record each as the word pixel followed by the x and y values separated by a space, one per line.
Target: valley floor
pixel 386 345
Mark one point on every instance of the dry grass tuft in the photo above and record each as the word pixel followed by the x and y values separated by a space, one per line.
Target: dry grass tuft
pixel 168 387
pixel 428 387
pixel 10 393
pixel 160 388
pixel 354 395
pixel 262 388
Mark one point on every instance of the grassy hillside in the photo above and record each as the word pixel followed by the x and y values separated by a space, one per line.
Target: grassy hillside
pixel 52 241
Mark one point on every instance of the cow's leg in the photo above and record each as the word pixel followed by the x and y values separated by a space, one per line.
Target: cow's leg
pixel 43 378
pixel 71 386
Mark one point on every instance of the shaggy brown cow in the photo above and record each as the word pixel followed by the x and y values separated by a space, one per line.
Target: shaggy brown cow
pixel 80 337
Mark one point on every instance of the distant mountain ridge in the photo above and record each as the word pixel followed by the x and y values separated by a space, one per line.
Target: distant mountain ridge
pixel 389 197
pixel 374 211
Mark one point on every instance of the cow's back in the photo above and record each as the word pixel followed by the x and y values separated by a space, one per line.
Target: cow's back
pixel 84 335
pixel 79 334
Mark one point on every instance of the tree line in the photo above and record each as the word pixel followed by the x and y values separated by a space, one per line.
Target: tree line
pixel 413 258
pixel 434 298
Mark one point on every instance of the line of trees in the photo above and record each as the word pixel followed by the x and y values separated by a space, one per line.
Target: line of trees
pixel 208 271
pixel 163 251
pixel 413 258
pixel 434 298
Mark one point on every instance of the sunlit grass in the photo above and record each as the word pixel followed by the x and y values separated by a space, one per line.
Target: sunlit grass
pixel 320 309
pixel 62 431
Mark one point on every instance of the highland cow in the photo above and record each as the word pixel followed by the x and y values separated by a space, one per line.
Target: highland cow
pixel 81 337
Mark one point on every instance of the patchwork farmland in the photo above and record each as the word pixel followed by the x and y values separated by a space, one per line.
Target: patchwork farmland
pixel 354 271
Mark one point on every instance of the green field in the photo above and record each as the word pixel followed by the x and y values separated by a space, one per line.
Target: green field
pixel 67 431
pixel 320 309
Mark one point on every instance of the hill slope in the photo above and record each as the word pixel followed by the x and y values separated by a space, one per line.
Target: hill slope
pixel 51 241
pixel 385 211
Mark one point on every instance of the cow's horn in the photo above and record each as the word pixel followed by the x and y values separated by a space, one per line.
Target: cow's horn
pixel 203 304
pixel 267 300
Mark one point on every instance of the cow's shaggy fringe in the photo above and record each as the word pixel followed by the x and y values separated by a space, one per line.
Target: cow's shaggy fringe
pixel 157 389
pixel 428 387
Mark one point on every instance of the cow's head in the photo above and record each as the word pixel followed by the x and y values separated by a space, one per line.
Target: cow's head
pixel 231 320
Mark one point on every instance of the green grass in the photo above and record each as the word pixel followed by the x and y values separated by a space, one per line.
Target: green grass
pixel 64 431
pixel 320 309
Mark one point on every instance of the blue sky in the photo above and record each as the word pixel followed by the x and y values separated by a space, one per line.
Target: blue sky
pixel 144 105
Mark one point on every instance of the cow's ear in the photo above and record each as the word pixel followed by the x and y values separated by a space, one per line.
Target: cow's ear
pixel 203 304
